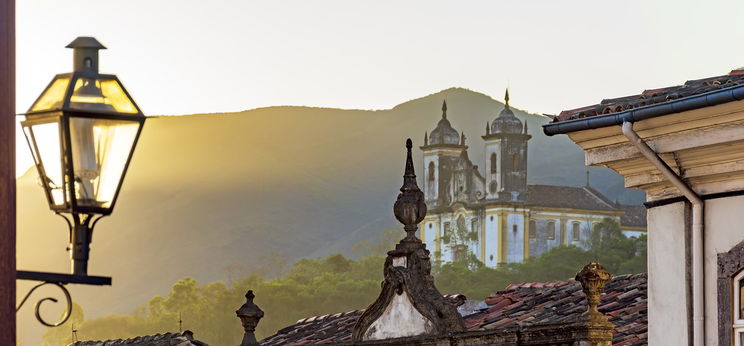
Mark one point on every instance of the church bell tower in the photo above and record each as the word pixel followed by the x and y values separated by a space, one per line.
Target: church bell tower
pixel 506 157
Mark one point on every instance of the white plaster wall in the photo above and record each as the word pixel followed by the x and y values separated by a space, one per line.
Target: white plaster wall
pixel 667 307
pixel 515 241
pixel 431 190
pixel 723 230
pixel 430 235
pixel 400 319
pixel 492 241
pixel 493 147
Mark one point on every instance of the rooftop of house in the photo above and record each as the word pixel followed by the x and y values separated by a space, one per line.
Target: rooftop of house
pixel 654 96
pixel 180 339
pixel 635 215
pixel 624 301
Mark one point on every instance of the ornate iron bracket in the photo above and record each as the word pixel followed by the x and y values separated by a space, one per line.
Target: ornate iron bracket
pixel 58 280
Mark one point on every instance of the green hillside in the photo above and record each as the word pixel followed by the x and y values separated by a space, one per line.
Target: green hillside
pixel 211 195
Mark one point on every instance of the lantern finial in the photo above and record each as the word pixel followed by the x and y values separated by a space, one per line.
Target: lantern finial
pixel 85 56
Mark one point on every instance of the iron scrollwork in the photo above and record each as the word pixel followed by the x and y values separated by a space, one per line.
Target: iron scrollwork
pixel 68 310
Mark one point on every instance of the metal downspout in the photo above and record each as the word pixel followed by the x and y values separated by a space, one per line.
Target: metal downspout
pixel 698 207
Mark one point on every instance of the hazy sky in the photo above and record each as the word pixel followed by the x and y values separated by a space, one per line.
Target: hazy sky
pixel 195 56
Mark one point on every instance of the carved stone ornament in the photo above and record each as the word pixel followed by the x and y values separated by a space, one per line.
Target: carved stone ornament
pixel 409 304
pixel 249 315
pixel 593 278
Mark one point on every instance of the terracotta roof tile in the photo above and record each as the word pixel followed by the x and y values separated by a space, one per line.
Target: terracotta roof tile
pixel 624 302
pixel 654 96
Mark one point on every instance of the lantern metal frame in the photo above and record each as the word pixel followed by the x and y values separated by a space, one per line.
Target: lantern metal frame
pixel 63 115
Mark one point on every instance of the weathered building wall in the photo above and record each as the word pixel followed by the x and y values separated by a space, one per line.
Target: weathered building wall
pixel 515 237
pixel 723 231
pixel 667 287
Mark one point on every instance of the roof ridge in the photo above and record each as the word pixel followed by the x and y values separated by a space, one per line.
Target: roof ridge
pixel 598 195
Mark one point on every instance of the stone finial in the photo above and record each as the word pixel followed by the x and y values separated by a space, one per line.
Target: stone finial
pixel 426 138
pixel 506 99
pixel 249 315
pixel 409 303
pixel 444 109
pixel 488 128
pixel 462 138
pixel 593 278
pixel 410 208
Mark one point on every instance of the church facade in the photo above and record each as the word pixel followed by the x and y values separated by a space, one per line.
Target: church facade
pixel 498 218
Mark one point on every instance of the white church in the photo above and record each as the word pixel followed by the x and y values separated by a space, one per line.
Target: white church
pixel 498 217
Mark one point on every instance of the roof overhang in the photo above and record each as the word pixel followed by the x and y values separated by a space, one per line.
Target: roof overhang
pixel 703 143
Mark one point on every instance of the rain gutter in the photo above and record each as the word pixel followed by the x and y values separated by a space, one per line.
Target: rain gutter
pixel 711 98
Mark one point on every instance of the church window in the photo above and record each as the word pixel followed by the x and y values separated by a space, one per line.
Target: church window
pixel 430 226
pixel 446 228
pixel 474 225
pixel 431 171
pixel 515 229
pixel 739 309
pixel 491 217
pixel 551 230
pixel 533 229
pixel 575 231
pixel 493 163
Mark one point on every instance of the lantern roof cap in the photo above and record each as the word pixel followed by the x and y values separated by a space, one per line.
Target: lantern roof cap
pixel 85 42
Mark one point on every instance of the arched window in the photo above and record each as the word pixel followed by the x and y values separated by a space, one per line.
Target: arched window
pixel 551 230
pixel 431 171
pixel 493 163
pixel 575 231
pixel 515 229
pixel 533 229
pixel 474 225
pixel 446 230
pixel 738 285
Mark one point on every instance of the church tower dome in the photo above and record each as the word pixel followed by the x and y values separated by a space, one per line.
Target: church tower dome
pixel 444 134
pixel 506 122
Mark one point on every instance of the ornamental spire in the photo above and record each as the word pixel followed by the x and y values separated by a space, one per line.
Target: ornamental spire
pixel 444 109
pixel 506 98
pixel 410 208
pixel 426 138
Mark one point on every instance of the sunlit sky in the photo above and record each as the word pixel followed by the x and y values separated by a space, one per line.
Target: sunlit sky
pixel 196 56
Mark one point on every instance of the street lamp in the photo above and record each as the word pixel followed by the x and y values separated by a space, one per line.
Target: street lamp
pixel 82 131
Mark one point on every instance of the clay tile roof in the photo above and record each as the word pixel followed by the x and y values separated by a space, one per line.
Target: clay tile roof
pixel 166 339
pixel 568 197
pixel 624 301
pixel 635 215
pixel 655 96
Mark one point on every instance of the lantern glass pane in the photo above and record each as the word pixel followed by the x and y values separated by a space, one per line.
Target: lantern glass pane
pixel 53 96
pixel 100 95
pixel 44 140
pixel 100 150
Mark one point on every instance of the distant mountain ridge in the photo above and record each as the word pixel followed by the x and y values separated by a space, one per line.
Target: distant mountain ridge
pixel 207 193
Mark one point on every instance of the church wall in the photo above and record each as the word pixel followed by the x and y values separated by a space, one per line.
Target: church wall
pixel 515 238
pixel 429 234
pixel 493 147
pixel 431 186
pixel 492 240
